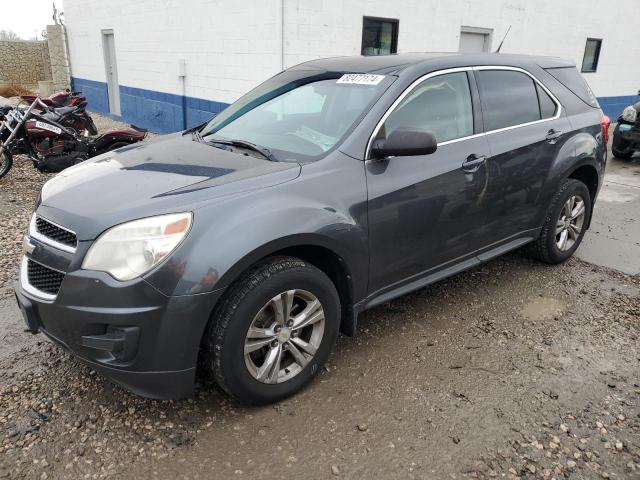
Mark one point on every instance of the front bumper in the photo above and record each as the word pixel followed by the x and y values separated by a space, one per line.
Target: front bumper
pixel 627 132
pixel 128 331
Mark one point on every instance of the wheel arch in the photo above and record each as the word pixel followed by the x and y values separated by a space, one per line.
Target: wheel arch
pixel 587 174
pixel 319 252
pixel 580 158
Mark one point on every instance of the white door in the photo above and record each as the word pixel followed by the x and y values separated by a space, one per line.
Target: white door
pixel 111 68
pixel 475 39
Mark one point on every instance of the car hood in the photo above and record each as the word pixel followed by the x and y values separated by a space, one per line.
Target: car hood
pixel 170 174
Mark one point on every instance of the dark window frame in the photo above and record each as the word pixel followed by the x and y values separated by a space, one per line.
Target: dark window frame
pixel 596 57
pixel 395 24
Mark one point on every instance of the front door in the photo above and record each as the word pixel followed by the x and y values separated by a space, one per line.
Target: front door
pixel 425 211
pixel 111 70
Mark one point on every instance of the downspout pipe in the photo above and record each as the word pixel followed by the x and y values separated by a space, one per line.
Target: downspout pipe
pixel 282 24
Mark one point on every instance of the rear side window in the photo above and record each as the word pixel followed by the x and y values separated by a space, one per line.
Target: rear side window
pixel 570 78
pixel 510 98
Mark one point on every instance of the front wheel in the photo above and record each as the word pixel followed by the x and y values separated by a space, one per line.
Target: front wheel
pixel 565 224
pixel 6 161
pixel 273 331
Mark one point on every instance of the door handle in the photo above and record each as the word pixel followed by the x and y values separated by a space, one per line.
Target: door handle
pixel 553 135
pixel 473 162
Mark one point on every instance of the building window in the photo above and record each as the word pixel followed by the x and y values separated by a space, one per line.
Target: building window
pixel 591 55
pixel 379 36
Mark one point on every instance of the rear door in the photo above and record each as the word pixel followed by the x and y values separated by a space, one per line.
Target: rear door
pixel 525 128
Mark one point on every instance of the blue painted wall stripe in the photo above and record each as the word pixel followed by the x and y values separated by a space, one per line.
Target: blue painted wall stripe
pixel 613 106
pixel 158 111
pixel 166 112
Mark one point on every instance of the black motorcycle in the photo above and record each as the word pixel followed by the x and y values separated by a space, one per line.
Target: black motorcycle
pixel 626 136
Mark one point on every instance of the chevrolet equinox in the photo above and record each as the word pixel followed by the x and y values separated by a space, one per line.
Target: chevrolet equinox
pixel 243 246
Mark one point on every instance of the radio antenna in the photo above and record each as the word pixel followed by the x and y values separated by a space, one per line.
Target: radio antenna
pixel 503 39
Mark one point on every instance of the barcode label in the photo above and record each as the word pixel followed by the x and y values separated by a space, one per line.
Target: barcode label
pixel 361 79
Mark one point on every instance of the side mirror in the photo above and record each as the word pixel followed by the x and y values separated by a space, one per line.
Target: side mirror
pixel 404 142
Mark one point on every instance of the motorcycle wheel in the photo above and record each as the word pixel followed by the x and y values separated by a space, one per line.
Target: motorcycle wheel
pixel 6 161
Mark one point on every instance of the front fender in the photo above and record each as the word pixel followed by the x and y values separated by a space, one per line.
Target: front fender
pixel 229 238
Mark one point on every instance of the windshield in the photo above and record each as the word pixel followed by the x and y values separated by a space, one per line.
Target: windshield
pixel 299 115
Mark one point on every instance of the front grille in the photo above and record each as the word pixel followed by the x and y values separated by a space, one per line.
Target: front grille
pixel 56 233
pixel 43 278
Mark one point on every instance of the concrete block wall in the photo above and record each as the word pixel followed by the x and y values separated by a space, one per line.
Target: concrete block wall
pixel 231 46
pixel 24 62
pixel 58 57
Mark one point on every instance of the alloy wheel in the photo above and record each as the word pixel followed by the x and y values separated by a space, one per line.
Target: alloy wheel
pixel 570 223
pixel 284 336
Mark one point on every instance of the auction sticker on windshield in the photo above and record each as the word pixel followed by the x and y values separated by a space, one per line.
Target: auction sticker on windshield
pixel 360 79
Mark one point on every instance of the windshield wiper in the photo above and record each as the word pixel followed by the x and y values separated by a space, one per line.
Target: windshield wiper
pixel 197 137
pixel 264 151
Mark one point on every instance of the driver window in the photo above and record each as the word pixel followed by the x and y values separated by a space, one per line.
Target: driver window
pixel 440 104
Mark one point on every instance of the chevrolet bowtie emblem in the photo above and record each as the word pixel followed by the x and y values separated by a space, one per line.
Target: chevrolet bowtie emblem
pixel 27 246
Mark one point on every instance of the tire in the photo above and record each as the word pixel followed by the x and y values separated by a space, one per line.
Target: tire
pixel 6 162
pixel 621 148
pixel 546 248
pixel 252 302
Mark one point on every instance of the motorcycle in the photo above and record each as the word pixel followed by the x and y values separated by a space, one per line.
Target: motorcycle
pixel 50 145
pixel 64 98
pixel 626 136
pixel 75 117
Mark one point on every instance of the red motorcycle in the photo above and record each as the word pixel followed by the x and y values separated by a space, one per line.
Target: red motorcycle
pixel 51 145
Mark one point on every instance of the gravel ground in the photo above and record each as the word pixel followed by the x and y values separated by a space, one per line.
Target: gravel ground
pixel 511 370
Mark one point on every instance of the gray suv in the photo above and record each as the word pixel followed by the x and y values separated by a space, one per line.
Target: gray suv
pixel 243 246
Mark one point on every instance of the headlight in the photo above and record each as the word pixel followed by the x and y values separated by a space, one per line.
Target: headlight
pixel 630 114
pixel 132 249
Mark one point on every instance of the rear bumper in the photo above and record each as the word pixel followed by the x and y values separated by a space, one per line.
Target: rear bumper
pixel 129 332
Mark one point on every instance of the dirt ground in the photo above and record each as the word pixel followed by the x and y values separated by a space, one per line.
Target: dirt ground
pixel 514 369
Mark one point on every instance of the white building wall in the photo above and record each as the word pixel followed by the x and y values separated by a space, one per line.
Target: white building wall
pixel 230 46
pixel 321 28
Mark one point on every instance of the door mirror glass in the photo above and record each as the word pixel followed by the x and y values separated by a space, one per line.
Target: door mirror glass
pixel 404 142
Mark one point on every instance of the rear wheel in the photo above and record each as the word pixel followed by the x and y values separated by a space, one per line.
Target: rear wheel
pixel 6 161
pixel 565 224
pixel 273 331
